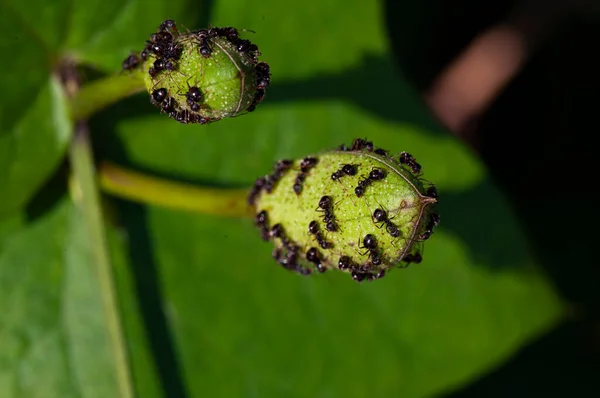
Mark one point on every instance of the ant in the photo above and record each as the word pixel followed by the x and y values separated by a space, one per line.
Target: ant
pixel 280 167
pixel 308 163
pixel 173 51
pixel 359 144
pixel 326 207
pixel 375 175
pixel 262 69
pixel 409 160
pixel 131 62
pixel 361 276
pixel 312 255
pixel 205 51
pixel 380 216
pixel 228 32
pixel 278 232
pixel 263 75
pixel 370 243
pixel 169 104
pixel 381 152
pixel 162 38
pixel 344 263
pixel 168 26
pixel 305 165
pixel 347 169
pixel 193 96
pixel 415 258
pixel 256 190
pixel 258 97
pixel 313 229
pixel 159 95
pixel 432 192
pixel 160 65
pixel 434 221
pixel 289 261
pixel 262 222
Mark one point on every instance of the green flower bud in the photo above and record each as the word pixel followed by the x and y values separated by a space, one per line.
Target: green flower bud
pixel 355 209
pixel 201 76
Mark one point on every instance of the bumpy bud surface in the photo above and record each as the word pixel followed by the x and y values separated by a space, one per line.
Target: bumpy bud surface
pixel 355 209
pixel 201 76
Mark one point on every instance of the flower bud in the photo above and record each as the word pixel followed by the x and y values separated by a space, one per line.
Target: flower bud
pixel 201 76
pixel 357 209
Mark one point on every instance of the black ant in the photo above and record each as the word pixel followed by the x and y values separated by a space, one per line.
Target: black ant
pixel 305 165
pixel 359 144
pixel 205 51
pixel 159 95
pixel 169 104
pixel 258 97
pixel 262 69
pixel 434 221
pixel 160 65
pixel 308 163
pixel 370 243
pixel 361 276
pixel 313 229
pixel 131 62
pixel 173 51
pixel 162 38
pixel 280 168
pixel 344 263
pixel 432 192
pixel 193 96
pixel 298 183
pixel 256 190
pixel 415 258
pixel 347 169
pixel 380 216
pixel 263 75
pixel 375 175
pixel 289 261
pixel 228 32
pixel 381 152
pixel 262 222
pixel 325 206
pixel 168 26
pixel 409 160
pixel 277 231
pixel 312 255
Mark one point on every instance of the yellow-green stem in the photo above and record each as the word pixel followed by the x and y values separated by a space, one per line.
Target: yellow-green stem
pixel 101 93
pixel 142 188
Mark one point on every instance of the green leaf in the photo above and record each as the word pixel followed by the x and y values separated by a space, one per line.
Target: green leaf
pixel 33 121
pixel 32 146
pixel 52 333
pixel 241 324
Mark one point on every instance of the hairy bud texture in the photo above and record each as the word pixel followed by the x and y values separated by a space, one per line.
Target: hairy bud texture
pixel 356 209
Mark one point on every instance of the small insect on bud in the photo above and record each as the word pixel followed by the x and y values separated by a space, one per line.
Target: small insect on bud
pixel 356 210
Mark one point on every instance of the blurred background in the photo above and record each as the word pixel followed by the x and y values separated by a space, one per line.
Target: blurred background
pixel 518 81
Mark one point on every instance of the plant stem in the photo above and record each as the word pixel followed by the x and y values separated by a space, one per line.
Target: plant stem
pixel 88 201
pixel 156 191
pixel 101 93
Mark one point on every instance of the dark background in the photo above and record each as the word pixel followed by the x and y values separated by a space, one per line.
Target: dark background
pixel 538 139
